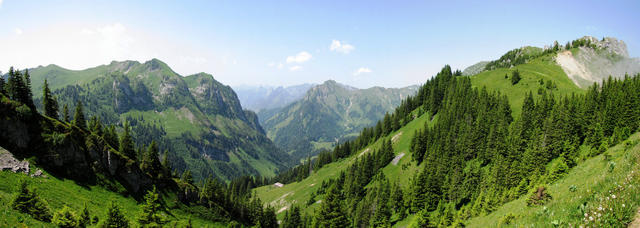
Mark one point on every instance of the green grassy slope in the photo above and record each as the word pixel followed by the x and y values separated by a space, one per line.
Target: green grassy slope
pixel 595 184
pixel 64 192
pixel 298 193
pixel 541 68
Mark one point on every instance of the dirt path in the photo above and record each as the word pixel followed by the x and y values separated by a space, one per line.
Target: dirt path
pixel 397 158
pixel 636 221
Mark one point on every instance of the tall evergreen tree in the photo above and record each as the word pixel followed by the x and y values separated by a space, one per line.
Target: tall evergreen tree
pixel 332 213
pixel 49 102
pixel 78 118
pixel 126 143
pixel 28 201
pixel 65 113
pixel 150 161
pixel 115 218
pixel 150 213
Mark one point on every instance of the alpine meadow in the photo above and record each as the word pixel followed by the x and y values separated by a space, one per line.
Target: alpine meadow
pixel 319 114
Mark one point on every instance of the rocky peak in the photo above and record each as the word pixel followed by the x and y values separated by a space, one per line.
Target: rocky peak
pixel 610 44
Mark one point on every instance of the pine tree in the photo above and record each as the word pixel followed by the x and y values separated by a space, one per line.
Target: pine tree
pixel 111 136
pixel 126 143
pixel 27 94
pixel 2 83
pixel 78 118
pixel 515 77
pixel 27 201
pixel 292 219
pixel 66 218
pixel 150 214
pixel 49 102
pixel 150 163
pixel 332 213
pixel 85 217
pixel 187 177
pixel 65 113
pixel 115 218
pixel 268 218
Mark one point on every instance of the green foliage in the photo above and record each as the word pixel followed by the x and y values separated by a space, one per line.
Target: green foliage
pixel 506 220
pixel 126 143
pixel 49 102
pixel 539 196
pixel 27 201
pixel 332 212
pixel 115 218
pixel 78 117
pixel 150 161
pixel 65 113
pixel 150 214
pixel 66 218
pixel 515 77
pixel 292 218
pixel 85 217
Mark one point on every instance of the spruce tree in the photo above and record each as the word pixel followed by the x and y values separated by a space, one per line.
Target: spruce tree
pixel 49 102
pixel 65 113
pixel 2 83
pixel 66 218
pixel 27 201
pixel 515 77
pixel 78 118
pixel 85 217
pixel 292 218
pixel 126 143
pixel 332 213
pixel 150 214
pixel 150 162
pixel 115 218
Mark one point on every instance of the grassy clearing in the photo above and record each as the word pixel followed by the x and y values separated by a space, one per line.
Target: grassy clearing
pixel 64 192
pixel 541 68
pixel 585 189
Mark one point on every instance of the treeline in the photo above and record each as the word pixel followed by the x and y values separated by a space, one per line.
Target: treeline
pixel 211 199
pixel 476 158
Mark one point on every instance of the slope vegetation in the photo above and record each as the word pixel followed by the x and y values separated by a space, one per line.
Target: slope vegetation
pixel 198 120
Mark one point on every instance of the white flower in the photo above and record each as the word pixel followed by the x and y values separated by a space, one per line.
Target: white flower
pixel 600 208
pixel 590 218
pixel 585 214
pixel 613 196
pixel 623 205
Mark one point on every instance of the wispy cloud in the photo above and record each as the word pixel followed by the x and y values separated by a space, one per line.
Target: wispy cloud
pixel 18 31
pixel 341 46
pixel 301 57
pixel 295 68
pixel 362 70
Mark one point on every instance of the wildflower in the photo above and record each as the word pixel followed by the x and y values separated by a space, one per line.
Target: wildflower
pixel 590 218
pixel 600 208
pixel 613 196
pixel 623 205
pixel 585 214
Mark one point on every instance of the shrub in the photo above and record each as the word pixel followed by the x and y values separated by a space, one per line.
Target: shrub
pixel 515 77
pixel 27 201
pixel 65 218
pixel 24 112
pixel 115 218
pixel 538 197
pixel 507 219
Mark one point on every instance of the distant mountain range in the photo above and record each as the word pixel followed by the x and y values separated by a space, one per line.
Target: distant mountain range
pixel 196 118
pixel 259 98
pixel 327 114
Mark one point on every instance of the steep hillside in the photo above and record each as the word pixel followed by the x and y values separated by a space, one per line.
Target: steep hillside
pixel 597 60
pixel 261 98
pixel 330 113
pixel 501 137
pixel 197 119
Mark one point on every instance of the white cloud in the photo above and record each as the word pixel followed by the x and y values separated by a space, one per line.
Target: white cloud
pixel 362 70
pixel 341 46
pixel 280 65
pixel 295 68
pixel 301 57
pixel 0 3
pixel 17 30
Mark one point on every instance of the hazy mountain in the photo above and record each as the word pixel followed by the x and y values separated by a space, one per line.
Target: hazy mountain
pixel 329 113
pixel 257 98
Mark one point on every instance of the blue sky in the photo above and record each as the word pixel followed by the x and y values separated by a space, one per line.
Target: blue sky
pixel 360 43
